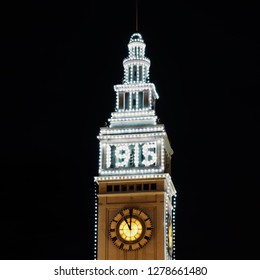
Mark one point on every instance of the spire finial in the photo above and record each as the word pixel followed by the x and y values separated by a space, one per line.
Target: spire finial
pixel 136 15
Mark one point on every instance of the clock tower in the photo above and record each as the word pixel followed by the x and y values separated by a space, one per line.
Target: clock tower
pixel 135 203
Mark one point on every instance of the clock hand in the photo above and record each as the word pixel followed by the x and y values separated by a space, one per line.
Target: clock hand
pixel 131 212
pixel 129 226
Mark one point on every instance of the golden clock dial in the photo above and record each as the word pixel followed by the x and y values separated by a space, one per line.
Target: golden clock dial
pixel 130 229
pixel 170 237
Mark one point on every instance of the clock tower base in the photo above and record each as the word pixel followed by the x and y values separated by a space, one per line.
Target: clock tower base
pixel 153 197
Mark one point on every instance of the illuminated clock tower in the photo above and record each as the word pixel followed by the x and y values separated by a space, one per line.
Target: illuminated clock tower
pixel 135 207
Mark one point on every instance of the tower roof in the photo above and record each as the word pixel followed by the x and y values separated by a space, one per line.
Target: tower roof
pixel 136 37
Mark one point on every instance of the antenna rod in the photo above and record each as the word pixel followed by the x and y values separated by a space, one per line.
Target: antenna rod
pixel 136 15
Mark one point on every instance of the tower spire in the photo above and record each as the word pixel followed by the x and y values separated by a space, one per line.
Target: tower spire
pixel 136 15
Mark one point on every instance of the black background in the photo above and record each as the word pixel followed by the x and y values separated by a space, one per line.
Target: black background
pixel 59 62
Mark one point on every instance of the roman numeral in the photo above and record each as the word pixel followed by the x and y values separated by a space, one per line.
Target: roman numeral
pixel 114 239
pixel 112 229
pixel 147 237
pixel 149 228
pixel 147 219
pixel 121 246
pixel 140 245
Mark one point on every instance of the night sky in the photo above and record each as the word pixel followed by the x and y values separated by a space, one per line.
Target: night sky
pixel 59 63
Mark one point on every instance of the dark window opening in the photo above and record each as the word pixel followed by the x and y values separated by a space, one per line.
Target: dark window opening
pixel 131 187
pixel 146 99
pixel 153 186
pixel 140 73
pixel 140 100
pixel 129 76
pixel 127 100
pixel 138 187
pixel 146 187
pixel 133 101
pixel 123 188
pixel 109 188
pixel 121 100
pixel 116 188
pixel 134 73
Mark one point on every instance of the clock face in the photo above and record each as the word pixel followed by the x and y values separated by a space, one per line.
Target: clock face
pixel 130 229
pixel 170 237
